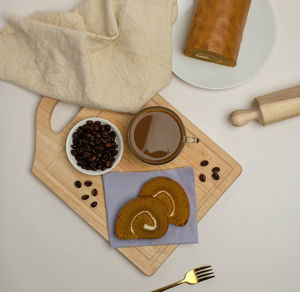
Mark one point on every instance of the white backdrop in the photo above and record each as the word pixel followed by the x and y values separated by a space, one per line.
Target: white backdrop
pixel 251 236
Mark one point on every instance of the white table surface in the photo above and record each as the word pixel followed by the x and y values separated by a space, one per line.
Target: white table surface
pixel 251 236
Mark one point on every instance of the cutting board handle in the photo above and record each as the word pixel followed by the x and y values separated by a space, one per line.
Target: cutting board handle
pixel 43 118
pixel 44 113
pixel 44 131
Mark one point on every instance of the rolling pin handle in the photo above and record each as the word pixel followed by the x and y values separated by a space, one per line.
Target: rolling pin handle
pixel 241 117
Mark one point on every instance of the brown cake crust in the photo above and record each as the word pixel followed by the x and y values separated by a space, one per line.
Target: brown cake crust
pixel 142 218
pixel 216 30
pixel 172 195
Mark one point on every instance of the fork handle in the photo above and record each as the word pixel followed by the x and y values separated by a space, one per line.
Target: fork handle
pixel 168 287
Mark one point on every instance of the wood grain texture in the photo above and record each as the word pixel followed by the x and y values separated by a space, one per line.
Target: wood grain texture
pixel 271 108
pixel 52 167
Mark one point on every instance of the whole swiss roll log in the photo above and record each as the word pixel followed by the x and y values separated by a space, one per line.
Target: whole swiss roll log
pixel 216 30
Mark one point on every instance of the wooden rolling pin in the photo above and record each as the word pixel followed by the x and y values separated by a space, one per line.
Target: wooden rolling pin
pixel 270 108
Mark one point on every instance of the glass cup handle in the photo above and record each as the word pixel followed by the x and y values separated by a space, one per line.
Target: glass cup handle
pixel 192 140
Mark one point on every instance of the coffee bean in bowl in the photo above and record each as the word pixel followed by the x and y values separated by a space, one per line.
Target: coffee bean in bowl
pixel 94 146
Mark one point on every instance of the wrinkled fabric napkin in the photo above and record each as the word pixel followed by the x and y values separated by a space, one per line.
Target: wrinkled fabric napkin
pixel 121 188
pixel 109 54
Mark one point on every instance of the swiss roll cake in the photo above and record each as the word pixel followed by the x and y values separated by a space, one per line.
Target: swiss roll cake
pixel 142 218
pixel 216 30
pixel 172 195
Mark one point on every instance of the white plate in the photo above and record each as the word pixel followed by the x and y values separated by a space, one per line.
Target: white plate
pixel 119 141
pixel 258 40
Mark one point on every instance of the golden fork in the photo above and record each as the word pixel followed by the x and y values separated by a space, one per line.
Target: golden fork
pixel 192 277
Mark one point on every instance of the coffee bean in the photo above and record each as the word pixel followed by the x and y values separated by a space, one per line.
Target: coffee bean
pixel 78 184
pixel 86 155
pixel 109 164
pixel 216 169
pixel 93 158
pixel 88 183
pixel 107 128
pixel 215 176
pixel 94 146
pixel 85 197
pixel 94 204
pixel 204 163
pixel 202 177
pixel 94 192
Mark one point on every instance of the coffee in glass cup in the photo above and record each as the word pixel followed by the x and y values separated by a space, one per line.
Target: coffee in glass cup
pixel 156 135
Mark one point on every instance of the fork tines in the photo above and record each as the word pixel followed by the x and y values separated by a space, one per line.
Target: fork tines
pixel 204 273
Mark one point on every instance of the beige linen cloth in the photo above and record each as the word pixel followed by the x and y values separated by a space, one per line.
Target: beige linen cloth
pixel 110 54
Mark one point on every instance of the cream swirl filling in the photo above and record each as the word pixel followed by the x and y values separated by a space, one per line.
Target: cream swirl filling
pixel 146 226
pixel 173 203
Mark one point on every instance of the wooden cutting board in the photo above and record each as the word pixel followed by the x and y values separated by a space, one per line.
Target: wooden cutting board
pixel 52 167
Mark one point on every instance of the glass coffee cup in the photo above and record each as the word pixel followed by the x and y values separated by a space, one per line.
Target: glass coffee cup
pixel 156 135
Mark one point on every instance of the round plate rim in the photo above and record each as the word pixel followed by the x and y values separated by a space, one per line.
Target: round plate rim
pixel 216 88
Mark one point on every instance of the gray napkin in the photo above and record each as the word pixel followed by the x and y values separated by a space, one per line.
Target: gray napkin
pixel 120 188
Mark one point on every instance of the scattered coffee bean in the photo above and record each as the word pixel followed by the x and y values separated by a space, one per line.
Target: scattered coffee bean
pixel 215 176
pixel 94 146
pixel 204 163
pixel 78 184
pixel 94 204
pixel 85 197
pixel 88 183
pixel 216 169
pixel 202 177
pixel 94 192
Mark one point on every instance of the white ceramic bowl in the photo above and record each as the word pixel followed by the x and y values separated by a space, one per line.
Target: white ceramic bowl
pixel 119 142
